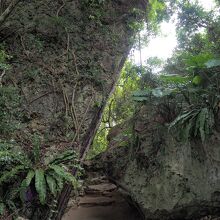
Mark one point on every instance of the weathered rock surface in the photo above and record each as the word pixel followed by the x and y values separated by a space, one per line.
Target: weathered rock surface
pixel 99 189
pixel 65 63
pixel 166 178
pixel 96 201
pixel 65 58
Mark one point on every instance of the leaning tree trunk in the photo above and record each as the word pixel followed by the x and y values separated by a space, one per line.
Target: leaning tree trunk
pixel 66 59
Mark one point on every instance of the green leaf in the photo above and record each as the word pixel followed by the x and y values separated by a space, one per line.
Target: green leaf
pixel 157 92
pixel 161 92
pixel 64 157
pixel 2 208
pixel 179 118
pixel 145 92
pixel 6 177
pixel 198 60
pixel 25 183
pixel 140 99
pixel 52 184
pixel 60 171
pixel 175 79
pixel 40 185
pixel 212 63
pixel 197 80
pixel 60 182
pixel 29 177
pixel 58 179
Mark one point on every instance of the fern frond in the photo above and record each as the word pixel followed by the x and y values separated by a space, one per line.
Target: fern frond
pixel 25 183
pixel 60 171
pixel 59 180
pixel 196 122
pixel 8 175
pixel 5 156
pixel 2 208
pixel 12 193
pixel 40 185
pixel 181 119
pixel 10 156
pixel 64 157
pixel 51 182
pixel 11 205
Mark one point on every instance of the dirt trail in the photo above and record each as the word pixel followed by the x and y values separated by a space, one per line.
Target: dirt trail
pixel 102 201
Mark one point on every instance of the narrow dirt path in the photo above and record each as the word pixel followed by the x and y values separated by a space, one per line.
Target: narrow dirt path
pixel 102 201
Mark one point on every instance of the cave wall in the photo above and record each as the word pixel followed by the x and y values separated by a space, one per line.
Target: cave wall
pixel 66 57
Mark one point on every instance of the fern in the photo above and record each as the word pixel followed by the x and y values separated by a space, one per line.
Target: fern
pixel 8 175
pixel 193 123
pixel 60 171
pixel 11 205
pixel 52 184
pixel 64 157
pixel 25 183
pixel 48 178
pixel 10 156
pixel 2 208
pixel 40 185
pixel 59 180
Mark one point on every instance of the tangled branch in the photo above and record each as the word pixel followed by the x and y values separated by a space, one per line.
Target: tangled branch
pixel 8 11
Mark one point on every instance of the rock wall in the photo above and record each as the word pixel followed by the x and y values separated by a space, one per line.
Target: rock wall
pixel 65 59
pixel 168 179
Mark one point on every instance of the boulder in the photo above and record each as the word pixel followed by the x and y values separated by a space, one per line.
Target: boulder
pixel 167 178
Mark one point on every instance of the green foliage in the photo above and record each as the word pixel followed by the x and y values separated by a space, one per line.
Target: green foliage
pixel 62 172
pixel 194 122
pixel 8 175
pixel 193 71
pixel 197 94
pixel 212 63
pixel 119 108
pixel 52 184
pixel 40 185
pixel 94 3
pixel 31 172
pixel 188 81
pixel 35 43
pixel 36 149
pixel 2 208
pixel 9 103
pixel 95 10
pixel 149 94
pixel 156 12
pixel 4 57
pixel 9 98
pixel 175 79
pixel 100 142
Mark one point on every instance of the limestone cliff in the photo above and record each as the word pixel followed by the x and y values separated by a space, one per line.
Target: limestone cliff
pixel 65 57
pixel 168 179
